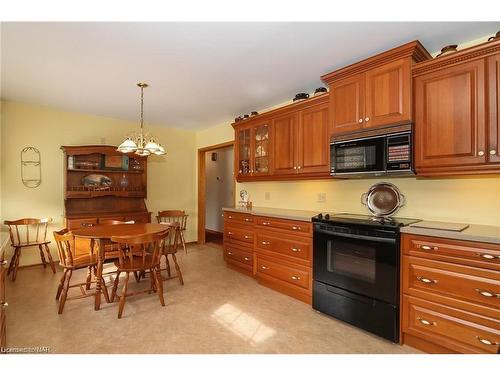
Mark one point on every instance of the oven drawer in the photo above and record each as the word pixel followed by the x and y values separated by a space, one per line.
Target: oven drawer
pixel 299 277
pixel 449 327
pixel 283 225
pixel 231 252
pixel 238 218
pixel 463 252
pixel 239 234
pixel 296 248
pixel 446 279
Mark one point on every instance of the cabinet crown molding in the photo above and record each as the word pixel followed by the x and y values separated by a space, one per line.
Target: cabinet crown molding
pixel 414 49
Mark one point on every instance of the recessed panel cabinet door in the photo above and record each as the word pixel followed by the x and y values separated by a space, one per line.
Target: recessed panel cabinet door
pixel 3 303
pixel 450 113
pixel 387 99
pixel 494 101
pixel 313 141
pixel 347 104
pixel 284 150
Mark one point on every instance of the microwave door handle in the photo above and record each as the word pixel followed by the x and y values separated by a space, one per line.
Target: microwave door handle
pixel 357 236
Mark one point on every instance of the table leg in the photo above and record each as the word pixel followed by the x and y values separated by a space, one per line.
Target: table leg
pixel 100 264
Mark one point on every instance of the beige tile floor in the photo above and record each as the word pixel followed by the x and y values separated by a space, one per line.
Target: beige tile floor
pixel 218 310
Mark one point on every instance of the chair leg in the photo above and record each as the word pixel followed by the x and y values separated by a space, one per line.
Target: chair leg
pixel 183 241
pixel 178 269
pixel 123 296
pixel 168 265
pixel 61 285
pixel 137 276
pixel 42 257
pixel 64 295
pixel 12 261
pixel 115 286
pixel 49 257
pixel 159 283
pixel 16 265
pixel 105 290
pixel 89 278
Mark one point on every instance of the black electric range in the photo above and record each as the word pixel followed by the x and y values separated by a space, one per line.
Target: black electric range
pixel 356 273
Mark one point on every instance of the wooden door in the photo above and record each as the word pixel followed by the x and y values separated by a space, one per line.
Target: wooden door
pixel 3 305
pixel 261 149
pixel 243 153
pixel 284 152
pixel 347 104
pixel 494 108
pixel 387 96
pixel 450 111
pixel 313 145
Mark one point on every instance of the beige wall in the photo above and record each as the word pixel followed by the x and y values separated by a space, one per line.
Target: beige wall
pixel 171 179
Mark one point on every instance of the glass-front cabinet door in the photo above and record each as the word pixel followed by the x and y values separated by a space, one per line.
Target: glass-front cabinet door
pixel 261 149
pixel 243 152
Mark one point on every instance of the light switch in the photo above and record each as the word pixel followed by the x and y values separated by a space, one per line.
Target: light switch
pixel 321 198
pixel 267 195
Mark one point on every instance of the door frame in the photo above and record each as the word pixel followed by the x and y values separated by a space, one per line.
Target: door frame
pixel 202 185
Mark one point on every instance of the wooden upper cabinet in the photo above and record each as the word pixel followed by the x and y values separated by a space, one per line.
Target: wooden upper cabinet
pixel 313 140
pixel 261 148
pixel 494 108
pixel 284 150
pixel 387 99
pixel 243 152
pixel 450 112
pixel 347 104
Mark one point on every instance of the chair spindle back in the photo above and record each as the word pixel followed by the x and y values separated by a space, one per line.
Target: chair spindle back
pixel 28 230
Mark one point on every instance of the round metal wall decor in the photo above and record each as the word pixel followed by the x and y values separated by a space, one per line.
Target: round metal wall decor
pixel 31 167
pixel 383 199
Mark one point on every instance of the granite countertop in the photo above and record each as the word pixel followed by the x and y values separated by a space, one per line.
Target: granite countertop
pixel 280 213
pixel 474 232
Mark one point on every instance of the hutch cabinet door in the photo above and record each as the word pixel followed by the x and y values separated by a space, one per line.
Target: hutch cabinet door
pixel 284 140
pixel 347 104
pixel 243 151
pixel 261 149
pixel 313 144
pixel 387 99
pixel 494 108
pixel 450 113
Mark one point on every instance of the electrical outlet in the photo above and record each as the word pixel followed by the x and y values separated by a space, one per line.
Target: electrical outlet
pixel 321 198
pixel 267 195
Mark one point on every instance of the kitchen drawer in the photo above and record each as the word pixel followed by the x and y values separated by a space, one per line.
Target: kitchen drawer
pixel 81 223
pixel 299 277
pixel 138 218
pixel 449 327
pixel 238 234
pixel 470 284
pixel 238 218
pixel 289 226
pixel 233 253
pixel 463 252
pixel 295 248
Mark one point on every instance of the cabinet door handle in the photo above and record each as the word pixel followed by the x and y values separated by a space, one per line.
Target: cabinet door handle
pixel 3 305
pixel 294 167
pixel 360 120
pixel 295 250
pixel 266 223
pixel 493 152
pixel 229 253
pixel 265 242
pixel 427 247
pixel 229 233
pixel 486 341
pixel 295 277
pixel 299 167
pixel 367 119
pixel 488 294
pixel 488 256
pixel 425 322
pixel 426 280
pixel 481 153
pixel 246 258
pixel 264 267
pixel 295 228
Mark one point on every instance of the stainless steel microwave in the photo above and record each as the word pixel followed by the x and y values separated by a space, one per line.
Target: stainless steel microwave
pixel 379 155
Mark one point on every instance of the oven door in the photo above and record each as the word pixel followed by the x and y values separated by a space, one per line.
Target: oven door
pixel 358 263
pixel 359 156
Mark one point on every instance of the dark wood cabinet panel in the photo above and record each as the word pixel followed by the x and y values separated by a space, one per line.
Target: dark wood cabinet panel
pixel 450 114
pixel 494 108
pixel 388 94
pixel 313 141
pixel 284 147
pixel 347 104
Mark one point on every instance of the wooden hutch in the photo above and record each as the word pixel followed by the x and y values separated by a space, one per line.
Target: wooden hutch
pixel 102 183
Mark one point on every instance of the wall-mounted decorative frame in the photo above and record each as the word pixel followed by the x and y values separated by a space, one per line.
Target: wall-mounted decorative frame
pixel 31 167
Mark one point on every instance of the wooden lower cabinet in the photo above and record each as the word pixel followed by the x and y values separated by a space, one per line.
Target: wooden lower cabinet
pixel 3 302
pixel 450 295
pixel 277 252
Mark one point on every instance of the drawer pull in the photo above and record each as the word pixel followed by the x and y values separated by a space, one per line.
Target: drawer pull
pixel 295 250
pixel 264 267
pixel 247 237
pixel 229 233
pixel 425 322
pixel 295 228
pixel 427 247
pixel 488 256
pixel 229 217
pixel 87 224
pixel 3 305
pixel 425 280
pixel 486 341
pixel 246 258
pixel 295 277
pixel 229 253
pixel 266 223
pixel 488 294
pixel 247 219
pixel 265 243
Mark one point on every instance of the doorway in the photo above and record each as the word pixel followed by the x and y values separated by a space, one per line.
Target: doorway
pixel 216 187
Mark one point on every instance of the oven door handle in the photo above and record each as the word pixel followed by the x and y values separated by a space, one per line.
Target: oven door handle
pixel 357 236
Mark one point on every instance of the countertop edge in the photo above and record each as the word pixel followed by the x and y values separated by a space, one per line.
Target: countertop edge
pixel 285 216
pixel 464 236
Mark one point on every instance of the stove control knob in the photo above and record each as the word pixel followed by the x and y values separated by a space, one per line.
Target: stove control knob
pixel 320 216
pixel 327 216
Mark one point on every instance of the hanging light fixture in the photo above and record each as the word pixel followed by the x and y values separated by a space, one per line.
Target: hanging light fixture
pixel 141 143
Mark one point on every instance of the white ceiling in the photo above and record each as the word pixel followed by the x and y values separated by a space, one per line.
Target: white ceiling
pixel 201 74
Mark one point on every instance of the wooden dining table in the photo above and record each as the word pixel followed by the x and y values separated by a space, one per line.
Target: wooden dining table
pixel 100 235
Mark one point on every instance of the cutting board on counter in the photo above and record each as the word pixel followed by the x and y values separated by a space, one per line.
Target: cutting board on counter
pixel 454 227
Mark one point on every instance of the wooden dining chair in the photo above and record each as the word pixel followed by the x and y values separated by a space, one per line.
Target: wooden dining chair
pixel 111 251
pixel 175 216
pixel 170 248
pixel 28 232
pixel 70 262
pixel 129 261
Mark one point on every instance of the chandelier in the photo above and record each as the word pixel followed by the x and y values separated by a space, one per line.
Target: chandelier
pixel 141 143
